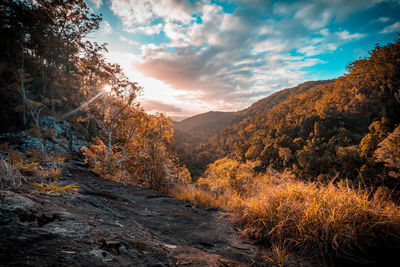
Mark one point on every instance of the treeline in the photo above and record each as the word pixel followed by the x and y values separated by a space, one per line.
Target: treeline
pixel 193 135
pixel 48 67
pixel 348 128
pixel 312 172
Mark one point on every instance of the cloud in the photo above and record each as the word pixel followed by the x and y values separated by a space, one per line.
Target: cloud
pixel 131 42
pixel 149 30
pixel 106 28
pixel 225 60
pixel 159 106
pixel 138 13
pixel 97 3
pixel 392 28
pixel 345 35
pixel 383 19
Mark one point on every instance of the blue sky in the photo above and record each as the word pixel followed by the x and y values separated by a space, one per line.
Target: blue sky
pixel 195 56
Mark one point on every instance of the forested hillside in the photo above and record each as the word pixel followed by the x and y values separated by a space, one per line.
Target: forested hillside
pixel 195 136
pixel 310 173
pixel 206 124
pixel 50 69
pixel 315 175
pixel 324 129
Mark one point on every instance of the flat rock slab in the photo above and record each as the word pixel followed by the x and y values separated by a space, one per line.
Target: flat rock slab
pixel 110 224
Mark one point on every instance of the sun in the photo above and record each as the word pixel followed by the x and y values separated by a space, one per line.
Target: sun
pixel 107 88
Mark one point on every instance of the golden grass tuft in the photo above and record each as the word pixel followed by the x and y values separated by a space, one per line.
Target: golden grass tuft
pixel 52 173
pixel 314 220
pixel 276 256
pixel 25 166
pixel 323 219
pixel 190 193
pixel 54 188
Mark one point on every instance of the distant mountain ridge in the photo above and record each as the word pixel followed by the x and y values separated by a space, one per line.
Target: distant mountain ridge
pixel 316 130
pixel 209 123
pixel 193 134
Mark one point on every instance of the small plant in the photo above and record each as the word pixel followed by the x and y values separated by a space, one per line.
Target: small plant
pixel 38 156
pixel 25 166
pixel 277 255
pixel 54 188
pixel 10 176
pixel 51 173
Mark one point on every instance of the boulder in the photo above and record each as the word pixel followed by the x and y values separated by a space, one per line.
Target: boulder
pixel 64 140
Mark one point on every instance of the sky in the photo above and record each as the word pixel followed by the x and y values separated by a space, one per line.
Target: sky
pixel 191 57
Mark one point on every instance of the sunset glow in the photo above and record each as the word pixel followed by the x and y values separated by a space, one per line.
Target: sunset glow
pixel 107 88
pixel 192 57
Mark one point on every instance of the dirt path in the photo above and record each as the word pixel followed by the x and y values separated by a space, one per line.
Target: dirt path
pixel 115 225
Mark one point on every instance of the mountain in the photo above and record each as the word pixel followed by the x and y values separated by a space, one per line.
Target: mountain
pixel 265 104
pixel 321 129
pixel 193 134
pixel 207 124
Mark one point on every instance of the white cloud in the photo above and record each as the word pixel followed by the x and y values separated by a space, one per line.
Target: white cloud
pixel 223 61
pixel 270 45
pixel 140 13
pixel 106 28
pixel 345 35
pixel 97 3
pixel 313 18
pixel 147 29
pixel 392 28
pixel 131 42
pixel 328 42
pixel 383 19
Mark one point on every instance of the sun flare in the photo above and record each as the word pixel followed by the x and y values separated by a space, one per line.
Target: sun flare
pixel 107 88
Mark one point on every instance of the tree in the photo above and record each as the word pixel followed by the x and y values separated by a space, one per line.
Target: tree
pixel 388 152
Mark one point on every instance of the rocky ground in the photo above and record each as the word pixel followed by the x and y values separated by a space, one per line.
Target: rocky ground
pixel 110 224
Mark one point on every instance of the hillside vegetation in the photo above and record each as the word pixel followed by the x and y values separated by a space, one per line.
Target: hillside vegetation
pixel 50 73
pixel 192 135
pixel 315 175
pixel 311 173
pixel 325 129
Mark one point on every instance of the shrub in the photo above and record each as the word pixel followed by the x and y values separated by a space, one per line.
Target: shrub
pixel 100 161
pixel 389 153
pixel 53 172
pixel 10 176
pixel 321 221
pixel 150 165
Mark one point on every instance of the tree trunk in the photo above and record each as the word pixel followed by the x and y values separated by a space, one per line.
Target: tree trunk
pixel 21 77
pixel 43 80
pixel 110 132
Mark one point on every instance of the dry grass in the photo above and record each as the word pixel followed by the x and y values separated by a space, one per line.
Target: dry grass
pixel 10 176
pixel 277 256
pixel 26 167
pixel 192 194
pixel 51 173
pixel 313 220
pixel 318 219
pixel 15 167
pixel 54 188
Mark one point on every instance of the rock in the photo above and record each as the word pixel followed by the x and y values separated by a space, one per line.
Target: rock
pixel 84 229
pixel 102 255
pixel 64 139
